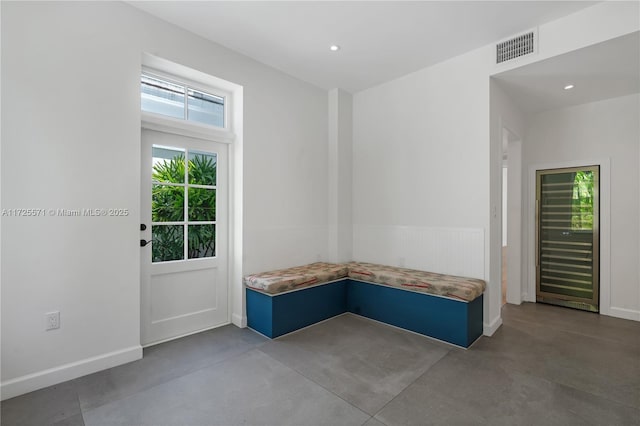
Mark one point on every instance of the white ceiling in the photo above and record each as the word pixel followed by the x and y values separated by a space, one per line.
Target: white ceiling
pixel 380 40
pixel 601 71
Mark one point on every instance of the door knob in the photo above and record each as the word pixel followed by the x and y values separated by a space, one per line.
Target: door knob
pixel 144 243
pixel 143 227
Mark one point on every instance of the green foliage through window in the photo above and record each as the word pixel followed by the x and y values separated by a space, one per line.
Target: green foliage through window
pixel 582 203
pixel 168 205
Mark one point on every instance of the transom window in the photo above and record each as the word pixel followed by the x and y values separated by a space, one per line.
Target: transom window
pixel 177 100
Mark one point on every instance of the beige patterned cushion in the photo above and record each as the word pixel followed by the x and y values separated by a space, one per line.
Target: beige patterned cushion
pixel 466 289
pixel 282 280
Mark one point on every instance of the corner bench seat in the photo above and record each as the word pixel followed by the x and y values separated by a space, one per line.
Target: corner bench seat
pixel 283 280
pixel 274 282
pixel 462 288
pixel 445 307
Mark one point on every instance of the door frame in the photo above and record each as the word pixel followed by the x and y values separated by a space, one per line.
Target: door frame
pixel 235 131
pixel 605 226
pixel 161 124
pixel 515 286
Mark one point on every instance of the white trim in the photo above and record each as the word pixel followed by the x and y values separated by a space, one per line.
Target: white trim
pixel 515 292
pixel 237 306
pixel 605 228
pixel 202 330
pixel 489 329
pixel 41 379
pixel 179 127
pixel 624 313
pixel 239 321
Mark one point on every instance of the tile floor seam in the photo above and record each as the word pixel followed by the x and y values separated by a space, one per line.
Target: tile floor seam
pixel 410 384
pixel 637 408
pixel 160 383
pixel 578 334
pixel 531 374
pixel 81 412
pixel 524 371
pixel 368 420
pixel 316 383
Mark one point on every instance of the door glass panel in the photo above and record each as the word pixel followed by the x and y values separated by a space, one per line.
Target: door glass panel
pixel 167 203
pixel 168 242
pixel 202 205
pixel 568 237
pixel 202 241
pixel 202 168
pixel 168 165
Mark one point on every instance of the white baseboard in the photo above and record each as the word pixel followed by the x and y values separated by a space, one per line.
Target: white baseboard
pixel 489 329
pixel 624 313
pixel 42 379
pixel 239 320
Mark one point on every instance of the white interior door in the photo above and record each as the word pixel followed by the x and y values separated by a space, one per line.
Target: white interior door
pixel 184 275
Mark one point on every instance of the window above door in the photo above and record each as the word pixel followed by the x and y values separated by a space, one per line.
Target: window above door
pixel 171 98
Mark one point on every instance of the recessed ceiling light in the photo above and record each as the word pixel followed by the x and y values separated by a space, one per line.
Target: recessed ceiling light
pixel 334 48
pixel 568 87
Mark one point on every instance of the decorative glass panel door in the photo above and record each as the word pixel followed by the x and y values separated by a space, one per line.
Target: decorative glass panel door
pixel 567 264
pixel 184 265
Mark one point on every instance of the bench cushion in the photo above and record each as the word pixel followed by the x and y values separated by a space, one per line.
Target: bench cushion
pixel 461 288
pixel 274 282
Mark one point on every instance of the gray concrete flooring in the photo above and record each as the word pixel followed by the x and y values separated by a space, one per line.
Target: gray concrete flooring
pixel 545 366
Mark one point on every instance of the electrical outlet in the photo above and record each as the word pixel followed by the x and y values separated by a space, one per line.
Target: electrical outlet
pixel 52 320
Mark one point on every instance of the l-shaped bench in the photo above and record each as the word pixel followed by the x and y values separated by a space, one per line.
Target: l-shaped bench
pixel 445 307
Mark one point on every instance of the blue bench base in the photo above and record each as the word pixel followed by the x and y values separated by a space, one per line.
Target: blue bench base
pixel 450 320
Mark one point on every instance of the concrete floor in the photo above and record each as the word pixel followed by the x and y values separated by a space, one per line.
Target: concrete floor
pixel 545 366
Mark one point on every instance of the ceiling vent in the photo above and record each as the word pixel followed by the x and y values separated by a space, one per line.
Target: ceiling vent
pixel 515 47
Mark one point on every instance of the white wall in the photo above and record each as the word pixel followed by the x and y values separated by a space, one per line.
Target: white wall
pixel 340 176
pixel 425 155
pixel 71 139
pixel 421 168
pixel 607 130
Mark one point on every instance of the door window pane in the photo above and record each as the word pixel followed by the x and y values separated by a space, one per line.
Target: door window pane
pixel 161 97
pixel 205 108
pixel 168 165
pixel 202 204
pixel 202 168
pixel 168 242
pixel 167 203
pixel 193 214
pixel 202 241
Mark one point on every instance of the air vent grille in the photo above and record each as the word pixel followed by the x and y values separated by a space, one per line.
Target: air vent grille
pixel 515 47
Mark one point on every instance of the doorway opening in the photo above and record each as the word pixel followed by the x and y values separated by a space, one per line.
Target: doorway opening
pixel 511 273
pixel 191 201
